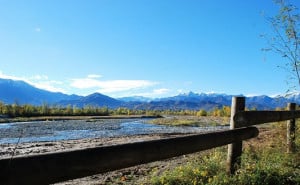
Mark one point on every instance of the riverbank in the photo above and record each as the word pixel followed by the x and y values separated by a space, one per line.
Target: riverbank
pixel 134 175
pixel 31 148
pixel 198 121
pixel 60 118
pixel 141 174
pixel 257 166
pixel 109 123
pixel 27 149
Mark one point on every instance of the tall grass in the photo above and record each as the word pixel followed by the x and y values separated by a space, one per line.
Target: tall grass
pixel 263 163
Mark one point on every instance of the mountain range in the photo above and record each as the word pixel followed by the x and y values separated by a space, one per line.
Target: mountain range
pixel 13 91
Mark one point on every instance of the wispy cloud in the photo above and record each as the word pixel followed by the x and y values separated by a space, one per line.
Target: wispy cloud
pixel 39 77
pixel 5 76
pixel 37 29
pixel 123 85
pixel 39 81
pixel 94 76
pixel 94 83
pixel 157 93
pixel 50 85
pixel 85 83
pixel 161 91
pixel 110 86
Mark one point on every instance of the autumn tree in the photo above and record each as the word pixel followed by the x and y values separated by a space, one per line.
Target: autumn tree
pixel 201 112
pixel 285 39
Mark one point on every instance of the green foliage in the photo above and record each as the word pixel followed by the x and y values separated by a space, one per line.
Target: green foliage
pixel 202 113
pixel 260 166
pixel 26 110
pixel 202 170
pixel 210 170
pixel 223 112
pixel 189 121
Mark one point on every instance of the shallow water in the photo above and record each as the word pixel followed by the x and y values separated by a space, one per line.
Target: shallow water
pixel 38 131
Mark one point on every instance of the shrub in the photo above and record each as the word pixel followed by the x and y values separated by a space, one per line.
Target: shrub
pixel 201 113
pixel 266 165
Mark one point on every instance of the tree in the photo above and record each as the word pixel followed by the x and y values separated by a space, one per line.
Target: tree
pixel 69 110
pixel 44 109
pixel 201 113
pixel 285 39
pixel 2 107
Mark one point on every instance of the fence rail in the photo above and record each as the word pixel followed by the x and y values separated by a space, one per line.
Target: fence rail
pixel 57 167
pixel 248 118
pixel 241 118
pixel 60 166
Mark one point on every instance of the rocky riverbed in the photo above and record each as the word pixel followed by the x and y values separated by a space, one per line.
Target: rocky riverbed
pixel 134 175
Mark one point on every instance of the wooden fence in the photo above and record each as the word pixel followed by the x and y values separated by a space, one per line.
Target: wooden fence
pixel 60 166
pixel 241 118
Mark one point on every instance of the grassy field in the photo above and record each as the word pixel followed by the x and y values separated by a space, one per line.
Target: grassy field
pixel 264 162
pixel 191 121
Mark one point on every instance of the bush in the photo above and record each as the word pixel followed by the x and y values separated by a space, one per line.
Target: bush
pixel 201 113
pixel 265 165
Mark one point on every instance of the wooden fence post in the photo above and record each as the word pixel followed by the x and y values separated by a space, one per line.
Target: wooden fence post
pixel 291 127
pixel 235 149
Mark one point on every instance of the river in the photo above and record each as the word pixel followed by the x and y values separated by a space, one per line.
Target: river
pixel 39 131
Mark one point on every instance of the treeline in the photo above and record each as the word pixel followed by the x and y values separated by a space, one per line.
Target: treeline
pixel 15 110
pixel 27 110
pixel 218 112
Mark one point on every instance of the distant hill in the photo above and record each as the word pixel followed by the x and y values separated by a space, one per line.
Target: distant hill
pixel 195 101
pixel 95 99
pixel 13 91
pixel 173 105
pixel 135 99
pixel 222 99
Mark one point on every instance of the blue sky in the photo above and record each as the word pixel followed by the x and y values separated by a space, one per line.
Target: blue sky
pixel 152 48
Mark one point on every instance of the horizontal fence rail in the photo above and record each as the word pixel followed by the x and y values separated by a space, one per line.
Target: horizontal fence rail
pixel 248 118
pixel 62 166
